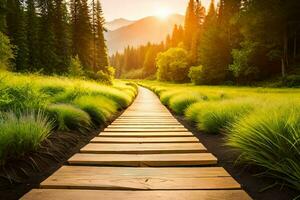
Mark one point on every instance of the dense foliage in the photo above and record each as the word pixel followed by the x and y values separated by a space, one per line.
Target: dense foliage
pixel 239 41
pixel 50 35
pixel 6 52
pixel 173 65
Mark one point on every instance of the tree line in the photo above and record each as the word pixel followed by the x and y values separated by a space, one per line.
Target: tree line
pixel 48 36
pixel 235 41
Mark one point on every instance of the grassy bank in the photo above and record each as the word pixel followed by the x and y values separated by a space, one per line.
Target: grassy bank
pixel 33 106
pixel 263 124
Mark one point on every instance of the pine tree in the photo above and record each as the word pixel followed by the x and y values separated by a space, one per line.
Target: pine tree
pixel 195 42
pixel 83 39
pixel 3 10
pixel 16 32
pixel 101 56
pixel 62 35
pixel 48 56
pixel 211 50
pixel 190 25
pixel 168 42
pixel 32 35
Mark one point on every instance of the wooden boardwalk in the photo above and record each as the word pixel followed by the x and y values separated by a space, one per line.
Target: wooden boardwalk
pixel 144 154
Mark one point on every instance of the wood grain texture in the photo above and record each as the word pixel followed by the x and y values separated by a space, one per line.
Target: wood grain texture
pixel 156 148
pixel 147 160
pixel 120 140
pixel 146 134
pixel 130 129
pixel 49 194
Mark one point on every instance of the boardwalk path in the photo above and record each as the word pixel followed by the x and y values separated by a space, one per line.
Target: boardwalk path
pixel 145 154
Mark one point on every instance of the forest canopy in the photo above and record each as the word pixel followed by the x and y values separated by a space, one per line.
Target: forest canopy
pixel 240 41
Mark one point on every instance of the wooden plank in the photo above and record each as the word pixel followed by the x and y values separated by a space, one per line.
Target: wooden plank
pixel 146 160
pixel 145 140
pixel 171 172
pixel 155 126
pixel 141 116
pixel 146 134
pixel 141 183
pixel 50 194
pixel 145 130
pixel 145 123
pixel 144 148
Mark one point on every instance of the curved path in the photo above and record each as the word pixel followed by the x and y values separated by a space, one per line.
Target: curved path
pixel 144 154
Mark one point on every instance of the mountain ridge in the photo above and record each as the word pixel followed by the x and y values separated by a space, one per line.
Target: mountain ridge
pixel 149 29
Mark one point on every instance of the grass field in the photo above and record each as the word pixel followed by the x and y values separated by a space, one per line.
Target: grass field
pixel 263 124
pixel 32 106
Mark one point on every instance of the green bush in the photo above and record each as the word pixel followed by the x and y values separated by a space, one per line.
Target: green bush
pixel 68 117
pixel 242 67
pixel 217 117
pixel 100 108
pixel 167 95
pixel 6 51
pixel 196 74
pixel 292 81
pixel 22 134
pixel 193 111
pixel 173 65
pixel 180 103
pixel 106 76
pixel 75 68
pixel 271 139
pixel 22 97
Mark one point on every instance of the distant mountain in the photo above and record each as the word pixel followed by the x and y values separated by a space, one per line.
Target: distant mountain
pixel 118 23
pixel 149 29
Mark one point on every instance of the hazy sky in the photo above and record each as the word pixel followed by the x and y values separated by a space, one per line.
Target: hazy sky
pixel 136 9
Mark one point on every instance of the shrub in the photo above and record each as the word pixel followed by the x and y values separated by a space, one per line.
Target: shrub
pixel 22 134
pixel 193 111
pixel 68 117
pixel 215 118
pixel 292 81
pixel 180 103
pixel 75 68
pixel 270 139
pixel 99 108
pixel 242 67
pixel 173 65
pixel 196 74
pixel 23 97
pixel 106 76
pixel 6 51
pixel 166 96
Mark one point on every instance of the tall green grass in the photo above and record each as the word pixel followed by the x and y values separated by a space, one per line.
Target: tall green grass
pixel 68 117
pixel 216 117
pixel 101 109
pixel 270 138
pixel 180 103
pixel 22 134
pixel 72 104
pixel 263 124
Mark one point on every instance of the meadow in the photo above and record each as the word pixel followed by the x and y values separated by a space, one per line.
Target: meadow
pixel 34 106
pixel 262 124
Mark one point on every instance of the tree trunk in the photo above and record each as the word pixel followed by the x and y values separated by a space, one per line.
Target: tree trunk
pixel 295 45
pixel 284 59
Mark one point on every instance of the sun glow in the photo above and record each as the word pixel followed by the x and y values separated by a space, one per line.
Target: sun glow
pixel 163 12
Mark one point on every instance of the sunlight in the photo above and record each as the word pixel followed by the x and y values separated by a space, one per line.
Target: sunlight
pixel 163 12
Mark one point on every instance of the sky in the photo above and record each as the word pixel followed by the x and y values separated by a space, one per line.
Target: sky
pixel 137 9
